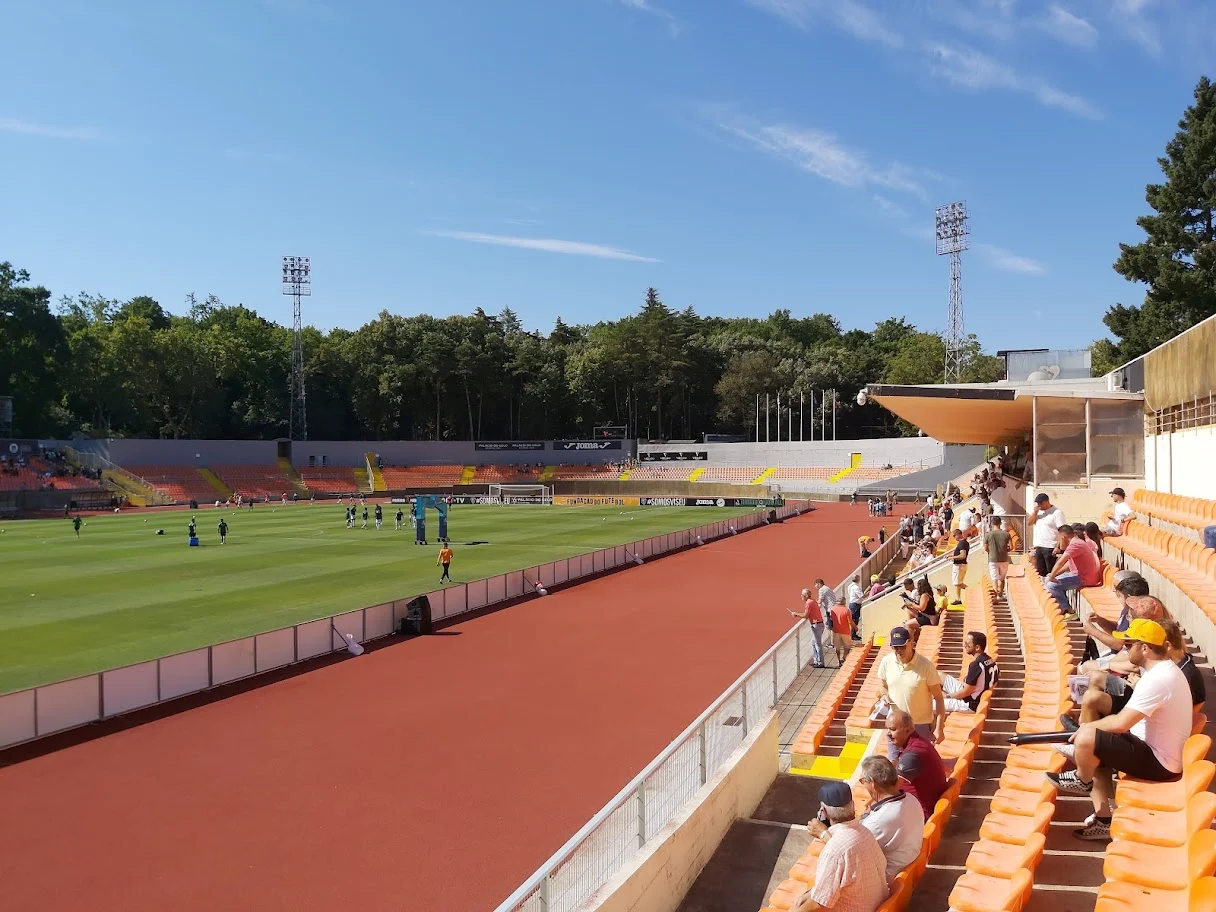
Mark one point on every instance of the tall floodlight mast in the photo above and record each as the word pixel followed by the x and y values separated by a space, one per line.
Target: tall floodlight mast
pixel 953 237
pixel 297 282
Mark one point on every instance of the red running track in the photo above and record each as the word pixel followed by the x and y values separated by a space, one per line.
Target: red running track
pixel 434 774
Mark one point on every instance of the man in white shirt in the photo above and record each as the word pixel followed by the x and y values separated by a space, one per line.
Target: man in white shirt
pixel 1115 519
pixel 894 817
pixel 854 596
pixel 1045 524
pixel 1144 739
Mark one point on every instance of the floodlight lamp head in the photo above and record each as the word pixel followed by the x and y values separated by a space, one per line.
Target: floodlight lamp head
pixel 951 228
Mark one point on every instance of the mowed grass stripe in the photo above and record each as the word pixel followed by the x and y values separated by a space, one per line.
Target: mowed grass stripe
pixel 121 594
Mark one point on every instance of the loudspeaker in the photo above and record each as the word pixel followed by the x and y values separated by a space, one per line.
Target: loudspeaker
pixel 417 620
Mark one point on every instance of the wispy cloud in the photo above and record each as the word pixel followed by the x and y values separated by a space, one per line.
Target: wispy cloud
pixel 849 16
pixel 548 245
pixel 822 154
pixel 50 131
pixel 969 69
pixel 1008 261
pixel 645 6
pixel 1068 27
pixel 896 216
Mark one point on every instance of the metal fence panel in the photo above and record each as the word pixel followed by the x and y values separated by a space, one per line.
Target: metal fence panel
pixel 351 622
pixel 620 556
pixel 515 584
pixel 185 673
pixel 276 648
pixel 496 590
pixel 124 689
pixel 787 664
pixel 314 639
pixel 546 574
pixel 378 621
pixel 600 856
pixel 670 786
pixel 232 661
pixel 68 704
pixel 455 600
pixel 476 595
pixel 561 571
pixel 17 721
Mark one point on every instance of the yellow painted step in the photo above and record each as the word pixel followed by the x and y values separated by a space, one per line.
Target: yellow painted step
pixel 841 767
pixel 217 483
pixel 624 476
pixel 696 473
pixel 763 476
pixel 854 464
pixel 377 477
pixel 362 482
pixel 292 476
pixel 467 473
pixel 546 473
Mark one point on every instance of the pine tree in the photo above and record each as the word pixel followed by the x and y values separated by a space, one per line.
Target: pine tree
pixel 1177 261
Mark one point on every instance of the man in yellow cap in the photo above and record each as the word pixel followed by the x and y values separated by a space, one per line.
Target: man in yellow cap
pixel 1144 739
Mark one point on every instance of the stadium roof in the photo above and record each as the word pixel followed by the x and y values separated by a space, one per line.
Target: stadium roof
pixel 985 413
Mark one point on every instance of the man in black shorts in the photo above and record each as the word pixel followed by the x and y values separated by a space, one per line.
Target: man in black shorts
pixel 1144 739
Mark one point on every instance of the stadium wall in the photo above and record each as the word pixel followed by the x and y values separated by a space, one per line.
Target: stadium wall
pixel 898 451
pixel 1181 462
pixel 657 489
pixel 661 874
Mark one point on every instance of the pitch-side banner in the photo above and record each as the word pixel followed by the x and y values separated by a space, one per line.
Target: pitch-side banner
pixel 708 502
pixel 589 500
pixel 569 445
pixel 508 445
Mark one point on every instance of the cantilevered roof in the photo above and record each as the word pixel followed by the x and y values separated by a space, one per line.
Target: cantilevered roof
pixel 986 413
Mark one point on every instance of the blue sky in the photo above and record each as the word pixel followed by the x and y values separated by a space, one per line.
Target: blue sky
pixel 559 156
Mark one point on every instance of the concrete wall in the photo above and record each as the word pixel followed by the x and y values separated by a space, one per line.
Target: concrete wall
pixel 897 451
pixel 1181 462
pixel 128 452
pixel 660 876
pixel 1085 504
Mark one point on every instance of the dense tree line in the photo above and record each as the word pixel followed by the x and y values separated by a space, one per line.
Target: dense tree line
pixel 115 368
pixel 1176 262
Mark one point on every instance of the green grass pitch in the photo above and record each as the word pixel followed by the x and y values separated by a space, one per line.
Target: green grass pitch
pixel 120 594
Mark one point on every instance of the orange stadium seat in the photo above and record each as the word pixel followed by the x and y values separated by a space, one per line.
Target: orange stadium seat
pixel 330 479
pixel 259 481
pixel 425 476
pixel 179 482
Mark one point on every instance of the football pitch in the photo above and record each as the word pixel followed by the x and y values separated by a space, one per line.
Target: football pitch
pixel 119 593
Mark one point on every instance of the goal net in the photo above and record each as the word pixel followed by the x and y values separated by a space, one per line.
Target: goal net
pixel 520 494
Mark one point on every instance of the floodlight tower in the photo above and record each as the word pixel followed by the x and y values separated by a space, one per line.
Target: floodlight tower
pixel 297 282
pixel 953 237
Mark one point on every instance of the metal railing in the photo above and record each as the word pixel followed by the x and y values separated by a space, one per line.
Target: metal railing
pixel 47 709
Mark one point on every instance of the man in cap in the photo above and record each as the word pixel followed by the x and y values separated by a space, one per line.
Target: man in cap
pixel 1144 739
pixel 1045 522
pixel 1115 520
pixel 850 874
pixel 911 683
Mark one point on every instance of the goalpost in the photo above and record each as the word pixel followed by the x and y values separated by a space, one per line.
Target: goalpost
pixel 520 494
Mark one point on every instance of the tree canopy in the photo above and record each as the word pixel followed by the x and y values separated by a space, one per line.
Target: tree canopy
pixel 115 368
pixel 1177 259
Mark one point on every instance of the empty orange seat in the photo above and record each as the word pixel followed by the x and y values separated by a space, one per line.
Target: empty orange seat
pixel 1035 758
pixel 1165 828
pixel 1162 867
pixel 1117 896
pixel 981 893
pixel 1014 828
pixel 1020 801
pixel 999 859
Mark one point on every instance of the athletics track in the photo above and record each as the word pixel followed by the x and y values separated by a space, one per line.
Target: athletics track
pixel 435 774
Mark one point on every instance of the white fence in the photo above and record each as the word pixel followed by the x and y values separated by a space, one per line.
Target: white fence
pixel 626 823
pixel 51 708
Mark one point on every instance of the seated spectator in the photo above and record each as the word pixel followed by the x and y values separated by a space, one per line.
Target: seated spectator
pixel 1127 584
pixel 1144 607
pixel 876 586
pixel 908 593
pixel 964 695
pixel 917 761
pixel 1077 566
pixel 924 611
pixel 849 875
pixel 894 817
pixel 1143 740
pixel 1115 520
pixel 943 603
pixel 1094 536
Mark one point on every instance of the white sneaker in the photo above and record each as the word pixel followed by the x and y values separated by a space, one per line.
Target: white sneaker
pixel 1067 750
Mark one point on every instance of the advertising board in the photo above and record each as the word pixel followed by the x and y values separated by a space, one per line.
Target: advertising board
pixel 569 445
pixel 508 445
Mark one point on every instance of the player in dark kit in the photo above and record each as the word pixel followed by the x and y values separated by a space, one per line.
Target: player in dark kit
pixel 400 519
pixel 365 517
pixel 76 524
pixel 379 517
pixel 193 528
pixel 222 528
